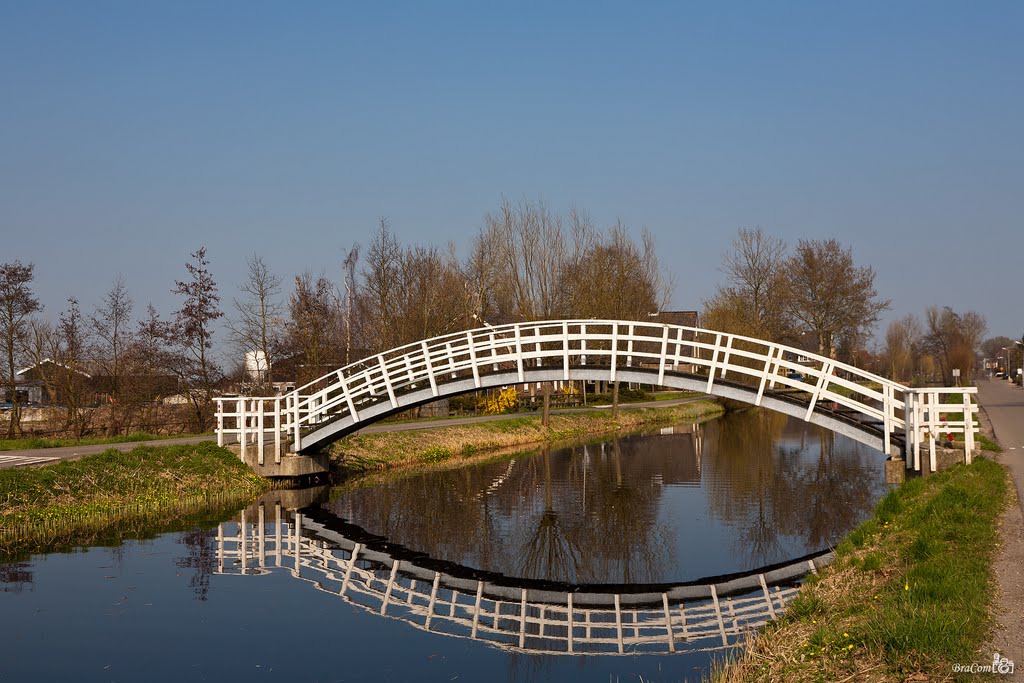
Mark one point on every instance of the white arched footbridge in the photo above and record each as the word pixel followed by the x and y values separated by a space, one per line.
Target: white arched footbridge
pixel 869 408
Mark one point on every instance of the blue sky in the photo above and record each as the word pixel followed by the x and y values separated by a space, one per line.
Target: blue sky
pixel 132 133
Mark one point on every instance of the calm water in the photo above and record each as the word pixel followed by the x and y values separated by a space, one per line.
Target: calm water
pixel 728 496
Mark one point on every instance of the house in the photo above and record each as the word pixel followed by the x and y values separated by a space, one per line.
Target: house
pixel 46 383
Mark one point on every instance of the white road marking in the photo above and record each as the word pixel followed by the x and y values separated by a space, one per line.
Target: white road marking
pixel 23 460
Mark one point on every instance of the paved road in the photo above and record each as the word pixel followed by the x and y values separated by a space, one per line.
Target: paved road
pixel 1004 404
pixel 42 456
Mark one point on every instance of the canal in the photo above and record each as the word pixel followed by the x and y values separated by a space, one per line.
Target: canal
pixel 273 593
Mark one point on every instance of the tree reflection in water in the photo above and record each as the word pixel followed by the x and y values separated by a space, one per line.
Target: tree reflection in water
pixel 201 557
pixel 599 513
pixel 16 577
pixel 552 551
pixel 776 477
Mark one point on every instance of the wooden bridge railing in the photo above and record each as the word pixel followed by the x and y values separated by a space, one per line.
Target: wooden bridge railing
pixel 662 355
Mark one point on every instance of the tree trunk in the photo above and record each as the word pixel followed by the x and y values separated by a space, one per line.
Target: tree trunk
pixel 13 427
pixel 615 400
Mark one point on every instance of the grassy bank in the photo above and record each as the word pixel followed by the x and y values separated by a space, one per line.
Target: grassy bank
pixel 907 597
pixel 74 502
pixel 41 442
pixel 367 452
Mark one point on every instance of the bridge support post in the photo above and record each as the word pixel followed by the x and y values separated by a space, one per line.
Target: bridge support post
pixel 931 404
pixel 260 446
pixel 296 435
pixel 243 435
pixel 914 431
pixel 968 428
pixel 887 414
pixel 220 422
pixel 664 352
pixel 277 430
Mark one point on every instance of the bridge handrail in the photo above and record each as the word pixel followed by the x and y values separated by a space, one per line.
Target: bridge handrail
pixel 611 344
pixel 510 328
pixel 490 339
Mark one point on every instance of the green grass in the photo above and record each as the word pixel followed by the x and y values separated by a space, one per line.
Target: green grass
pixel 32 442
pixel 673 395
pixel 910 591
pixel 986 444
pixel 53 505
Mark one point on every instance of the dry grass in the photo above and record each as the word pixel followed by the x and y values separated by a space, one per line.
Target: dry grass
pixel 362 453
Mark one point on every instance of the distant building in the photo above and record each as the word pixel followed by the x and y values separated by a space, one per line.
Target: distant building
pixel 257 368
pixel 38 384
pixel 44 383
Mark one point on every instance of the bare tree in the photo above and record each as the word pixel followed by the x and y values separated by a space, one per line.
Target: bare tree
pixel 992 348
pixel 530 249
pixel 152 359
pixel 192 334
pixel 433 297
pixel 953 338
pixel 529 246
pixel 110 326
pixel 380 290
pixel 17 303
pixel 69 345
pixel 830 295
pixel 612 276
pixel 311 328
pixel 902 342
pixel 260 314
pixel 487 292
pixel 753 303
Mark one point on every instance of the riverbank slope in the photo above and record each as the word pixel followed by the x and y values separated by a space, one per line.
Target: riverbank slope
pixel 910 595
pixel 83 501
pixel 365 452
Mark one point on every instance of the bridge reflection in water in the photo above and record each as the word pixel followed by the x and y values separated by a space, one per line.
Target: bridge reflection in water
pixel 518 615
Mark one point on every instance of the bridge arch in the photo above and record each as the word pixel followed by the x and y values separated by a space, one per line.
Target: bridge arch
pixel 869 408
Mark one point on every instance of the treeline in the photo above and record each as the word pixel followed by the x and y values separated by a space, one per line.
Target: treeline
pixel 916 351
pixel 525 263
pixel 815 297
pixel 109 356
pixel 784 295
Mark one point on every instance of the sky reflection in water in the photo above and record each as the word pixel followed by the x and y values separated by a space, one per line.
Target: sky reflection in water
pixel 744 491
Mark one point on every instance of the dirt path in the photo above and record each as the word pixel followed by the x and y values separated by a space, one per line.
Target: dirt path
pixel 1003 416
